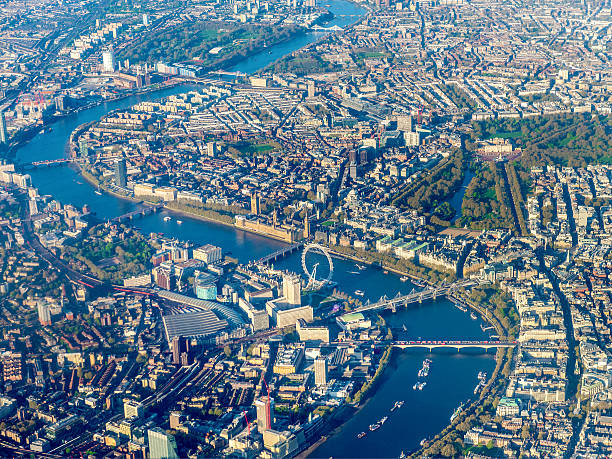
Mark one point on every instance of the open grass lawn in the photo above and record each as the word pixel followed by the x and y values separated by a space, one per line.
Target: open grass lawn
pixel 246 148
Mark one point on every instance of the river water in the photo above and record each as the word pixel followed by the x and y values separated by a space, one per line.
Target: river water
pixel 457 199
pixel 452 377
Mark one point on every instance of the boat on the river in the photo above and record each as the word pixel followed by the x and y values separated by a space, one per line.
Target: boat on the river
pixel 374 427
pixel 359 292
pixel 404 278
pixel 360 267
pixel 354 272
pixel 473 316
pixel 424 371
pixel 398 404
pixel 166 218
pixel 99 193
pixel 180 222
pixel 361 435
pixel 383 420
pixel 456 412
pixel 422 385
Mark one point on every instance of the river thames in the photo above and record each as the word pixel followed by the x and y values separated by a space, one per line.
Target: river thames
pixel 453 376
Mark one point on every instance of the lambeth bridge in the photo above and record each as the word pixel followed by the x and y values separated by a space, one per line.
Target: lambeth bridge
pixel 140 212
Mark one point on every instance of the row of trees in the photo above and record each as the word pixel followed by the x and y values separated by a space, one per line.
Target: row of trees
pixel 459 97
pixel 517 196
pixel 371 384
pixel 387 260
pixel 216 212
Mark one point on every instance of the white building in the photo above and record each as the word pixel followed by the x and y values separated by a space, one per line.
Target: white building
pixel 108 60
pixel 208 253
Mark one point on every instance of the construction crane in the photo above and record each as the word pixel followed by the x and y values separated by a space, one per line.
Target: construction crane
pixel 248 423
pixel 268 417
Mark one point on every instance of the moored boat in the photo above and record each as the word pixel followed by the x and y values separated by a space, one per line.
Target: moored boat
pixel 456 412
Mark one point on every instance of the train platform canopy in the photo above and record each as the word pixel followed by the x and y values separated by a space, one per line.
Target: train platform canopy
pixel 192 324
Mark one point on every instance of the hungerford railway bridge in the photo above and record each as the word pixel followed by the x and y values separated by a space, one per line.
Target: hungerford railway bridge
pixel 430 293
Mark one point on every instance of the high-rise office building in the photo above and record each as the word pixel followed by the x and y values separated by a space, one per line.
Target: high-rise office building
pixel 205 286
pixel 265 409
pixel 292 289
pixel 404 123
pixel 3 131
pixel 255 203
pixel 44 313
pixel 121 173
pixel 145 20
pixel 181 351
pixel 60 102
pixel 164 278
pixel 161 444
pixel 320 367
pixel 108 60
pixel 211 149
pixel 33 206
pixel 132 409
pixel 312 89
